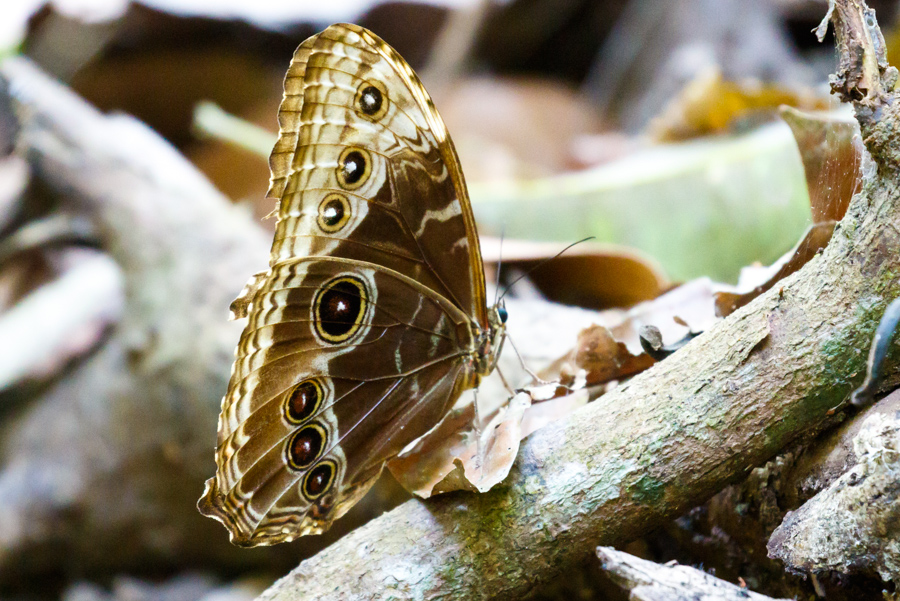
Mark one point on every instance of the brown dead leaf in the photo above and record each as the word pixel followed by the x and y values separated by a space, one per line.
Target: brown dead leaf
pixel 591 274
pixel 456 456
pixel 831 151
pixel 605 359
pixel 688 307
pixel 613 351
pixel 449 457
pixel 540 414
pixel 712 105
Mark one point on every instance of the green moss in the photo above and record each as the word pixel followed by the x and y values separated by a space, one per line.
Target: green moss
pixel 647 490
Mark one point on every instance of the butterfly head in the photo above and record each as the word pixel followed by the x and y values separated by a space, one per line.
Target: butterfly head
pixel 502 314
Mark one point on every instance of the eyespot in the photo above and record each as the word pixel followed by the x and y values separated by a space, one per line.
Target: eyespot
pixel 371 100
pixel 319 479
pixel 354 168
pixel 303 400
pixel 305 446
pixel 339 308
pixel 334 213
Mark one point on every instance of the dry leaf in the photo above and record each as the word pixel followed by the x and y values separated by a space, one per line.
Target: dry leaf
pixel 832 156
pixel 455 456
pixel 590 274
pixel 612 351
pixel 603 358
pixel 712 105
pixel 831 151
pixel 815 239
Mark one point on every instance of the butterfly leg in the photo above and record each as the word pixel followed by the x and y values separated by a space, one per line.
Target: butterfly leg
pixel 479 448
pixel 527 369
pixel 506 385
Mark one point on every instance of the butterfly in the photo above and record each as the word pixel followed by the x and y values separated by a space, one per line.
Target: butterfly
pixel 371 319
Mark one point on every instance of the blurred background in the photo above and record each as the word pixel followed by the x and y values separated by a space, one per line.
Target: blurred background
pixel 654 126
pixel 556 106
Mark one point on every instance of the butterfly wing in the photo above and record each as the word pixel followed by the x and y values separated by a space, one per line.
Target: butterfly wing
pixel 360 335
pixel 353 106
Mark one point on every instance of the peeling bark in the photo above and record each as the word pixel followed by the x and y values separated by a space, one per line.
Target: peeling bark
pixel 854 524
pixel 772 372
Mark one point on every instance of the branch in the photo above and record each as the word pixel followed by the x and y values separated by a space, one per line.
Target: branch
pixel 664 442
pixel 854 524
pixel 648 581
pixel 864 76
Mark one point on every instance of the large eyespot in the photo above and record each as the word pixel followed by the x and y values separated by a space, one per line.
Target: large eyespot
pixel 305 446
pixel 354 168
pixel 339 308
pixel 334 213
pixel 371 100
pixel 303 400
pixel 319 479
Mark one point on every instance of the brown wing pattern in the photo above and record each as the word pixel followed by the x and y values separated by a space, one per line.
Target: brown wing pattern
pixel 297 410
pixel 346 91
pixel 361 334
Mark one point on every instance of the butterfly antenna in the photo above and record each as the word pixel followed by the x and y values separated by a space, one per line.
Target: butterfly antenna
pixel 541 264
pixel 499 267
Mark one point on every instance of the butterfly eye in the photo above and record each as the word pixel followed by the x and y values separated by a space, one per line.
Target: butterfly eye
pixel 371 101
pixel 339 308
pixel 306 446
pixel 318 480
pixel 354 167
pixel 334 213
pixel 303 401
pixel 503 314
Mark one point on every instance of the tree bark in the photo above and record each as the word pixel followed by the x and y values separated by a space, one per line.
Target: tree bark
pixel 772 372
pixel 854 524
pixel 648 581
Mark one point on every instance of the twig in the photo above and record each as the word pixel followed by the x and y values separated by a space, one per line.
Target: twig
pixel 72 310
pixel 881 344
pixel 213 122
pixel 648 581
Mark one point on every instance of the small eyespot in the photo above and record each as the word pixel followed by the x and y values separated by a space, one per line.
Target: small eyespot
pixel 305 446
pixel 334 213
pixel 371 100
pixel 319 479
pixel 303 400
pixel 354 168
pixel 339 308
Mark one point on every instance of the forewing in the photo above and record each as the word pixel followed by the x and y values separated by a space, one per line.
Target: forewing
pixel 353 106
